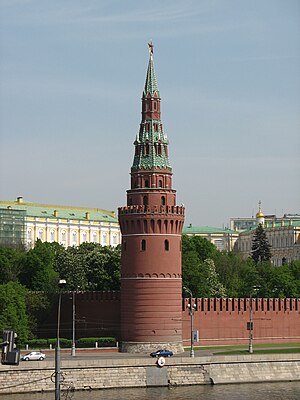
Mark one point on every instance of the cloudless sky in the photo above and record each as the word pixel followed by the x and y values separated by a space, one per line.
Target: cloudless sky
pixel 72 74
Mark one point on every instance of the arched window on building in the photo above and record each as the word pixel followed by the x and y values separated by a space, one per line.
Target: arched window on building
pixel 160 183
pixel 74 238
pixel 29 237
pixel 143 245
pixel 163 200
pixel 63 236
pixel 52 235
pixel 114 239
pixel 145 200
pixel 41 234
pixel 84 237
pixel 104 238
pixel 166 245
pixel 95 237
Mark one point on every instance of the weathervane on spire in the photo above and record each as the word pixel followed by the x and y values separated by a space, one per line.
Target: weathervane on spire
pixel 150 44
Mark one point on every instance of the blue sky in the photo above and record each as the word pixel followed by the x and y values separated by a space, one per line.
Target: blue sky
pixel 72 75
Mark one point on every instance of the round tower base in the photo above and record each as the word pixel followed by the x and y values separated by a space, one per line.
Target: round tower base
pixel 148 347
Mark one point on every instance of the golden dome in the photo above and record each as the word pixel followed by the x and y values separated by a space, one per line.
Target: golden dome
pixel 259 214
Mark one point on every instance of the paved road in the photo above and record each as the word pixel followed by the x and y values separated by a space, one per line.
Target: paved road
pixel 85 354
pixel 96 354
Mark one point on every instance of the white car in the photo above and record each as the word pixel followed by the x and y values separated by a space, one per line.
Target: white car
pixel 34 356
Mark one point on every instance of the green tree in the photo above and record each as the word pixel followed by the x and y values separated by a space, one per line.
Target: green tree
pixel 193 274
pixel 90 266
pixel 13 313
pixel 103 267
pixel 37 267
pixel 9 263
pixel 203 247
pixel 215 287
pixel 261 249
pixel 70 265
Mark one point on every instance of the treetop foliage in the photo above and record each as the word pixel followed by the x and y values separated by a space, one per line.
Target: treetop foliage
pixel 261 249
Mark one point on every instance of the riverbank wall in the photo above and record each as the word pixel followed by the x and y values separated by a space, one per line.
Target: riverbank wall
pixel 108 373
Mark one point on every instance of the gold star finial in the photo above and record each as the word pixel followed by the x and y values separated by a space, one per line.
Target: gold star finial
pixel 150 44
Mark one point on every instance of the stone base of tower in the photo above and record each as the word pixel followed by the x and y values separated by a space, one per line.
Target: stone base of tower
pixel 149 347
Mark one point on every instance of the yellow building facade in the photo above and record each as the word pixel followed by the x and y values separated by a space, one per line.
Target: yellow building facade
pixel 69 226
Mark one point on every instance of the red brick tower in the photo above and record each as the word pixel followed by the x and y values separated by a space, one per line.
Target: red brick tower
pixel 151 226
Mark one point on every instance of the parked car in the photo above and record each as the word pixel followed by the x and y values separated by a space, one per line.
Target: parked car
pixel 161 353
pixel 34 356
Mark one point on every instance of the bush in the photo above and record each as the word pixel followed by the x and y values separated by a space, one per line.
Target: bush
pixel 64 343
pixel 102 342
pixel 37 343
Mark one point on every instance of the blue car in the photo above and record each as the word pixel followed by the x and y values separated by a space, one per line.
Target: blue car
pixel 161 353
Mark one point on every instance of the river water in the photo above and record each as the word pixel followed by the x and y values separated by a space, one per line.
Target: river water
pixel 252 391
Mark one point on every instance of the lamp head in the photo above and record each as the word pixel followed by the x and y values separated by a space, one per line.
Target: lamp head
pixel 62 283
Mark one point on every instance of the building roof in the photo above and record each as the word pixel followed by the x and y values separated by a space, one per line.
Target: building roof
pixel 206 230
pixel 59 211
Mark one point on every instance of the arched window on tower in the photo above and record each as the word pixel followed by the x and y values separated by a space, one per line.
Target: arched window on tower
pixel 163 200
pixel 146 183
pixel 159 149
pixel 145 200
pixel 160 183
pixel 147 149
pixel 166 245
pixel 143 245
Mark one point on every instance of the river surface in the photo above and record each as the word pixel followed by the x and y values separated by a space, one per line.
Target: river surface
pixel 252 391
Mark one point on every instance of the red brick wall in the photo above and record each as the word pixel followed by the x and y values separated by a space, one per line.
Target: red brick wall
pixel 224 321
pixel 219 321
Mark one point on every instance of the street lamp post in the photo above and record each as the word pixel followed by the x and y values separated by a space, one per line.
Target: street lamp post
pixel 61 284
pixel 255 288
pixel 73 353
pixel 250 327
pixel 191 311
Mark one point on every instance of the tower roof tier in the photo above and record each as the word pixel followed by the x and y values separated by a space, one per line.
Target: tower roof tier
pixel 151 143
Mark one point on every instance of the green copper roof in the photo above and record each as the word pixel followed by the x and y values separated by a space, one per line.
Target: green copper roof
pixel 153 145
pixel 60 212
pixel 151 142
pixel 205 230
pixel 151 82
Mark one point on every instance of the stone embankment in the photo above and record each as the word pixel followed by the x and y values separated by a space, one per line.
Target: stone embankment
pixel 104 373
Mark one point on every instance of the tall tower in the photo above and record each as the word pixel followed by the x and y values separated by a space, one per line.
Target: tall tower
pixel 151 224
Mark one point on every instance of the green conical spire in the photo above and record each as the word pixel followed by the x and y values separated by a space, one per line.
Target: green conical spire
pixel 151 144
pixel 151 83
